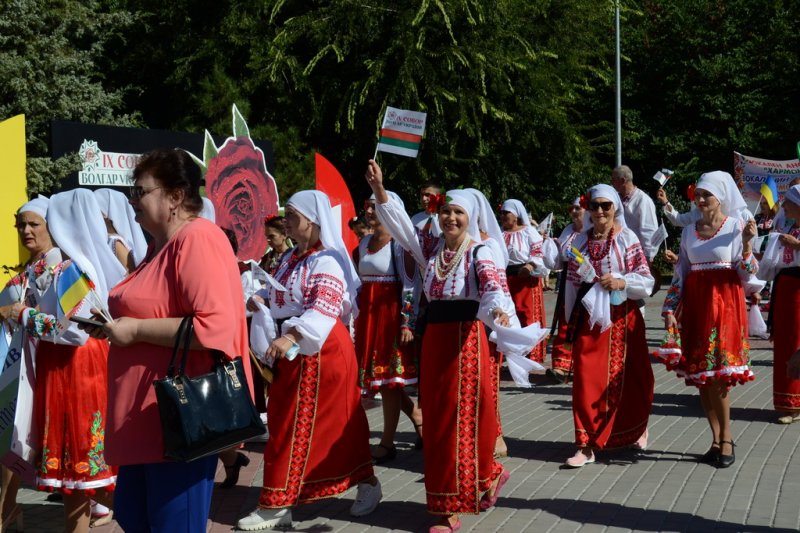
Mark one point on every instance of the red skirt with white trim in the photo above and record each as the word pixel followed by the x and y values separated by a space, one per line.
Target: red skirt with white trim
pixel 527 292
pixel 786 338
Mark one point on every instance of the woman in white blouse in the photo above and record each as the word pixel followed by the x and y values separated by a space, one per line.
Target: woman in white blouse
pixel 706 303
pixel 463 290
pixel 318 443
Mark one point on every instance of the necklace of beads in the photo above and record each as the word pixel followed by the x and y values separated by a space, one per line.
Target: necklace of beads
pixel 604 250
pixel 443 268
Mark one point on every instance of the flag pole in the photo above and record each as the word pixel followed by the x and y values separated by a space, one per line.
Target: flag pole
pixel 758 205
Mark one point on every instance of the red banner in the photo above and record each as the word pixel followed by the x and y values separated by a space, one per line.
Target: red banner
pixel 329 181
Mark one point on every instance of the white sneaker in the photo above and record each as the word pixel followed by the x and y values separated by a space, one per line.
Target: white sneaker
pixel 265 519
pixel 367 499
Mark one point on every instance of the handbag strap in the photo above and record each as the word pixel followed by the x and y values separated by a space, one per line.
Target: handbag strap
pixel 186 324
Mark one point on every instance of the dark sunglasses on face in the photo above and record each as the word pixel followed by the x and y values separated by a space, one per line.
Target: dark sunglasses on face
pixel 605 206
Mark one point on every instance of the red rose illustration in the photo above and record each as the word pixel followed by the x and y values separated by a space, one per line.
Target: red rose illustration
pixel 243 194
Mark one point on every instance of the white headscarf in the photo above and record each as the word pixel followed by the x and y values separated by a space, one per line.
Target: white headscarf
pixel 601 190
pixel 724 189
pixel 577 201
pixel 393 196
pixel 516 207
pixel 467 202
pixel 78 229
pixel 487 221
pixel 793 194
pixel 37 205
pixel 208 212
pixel 115 206
pixel 316 207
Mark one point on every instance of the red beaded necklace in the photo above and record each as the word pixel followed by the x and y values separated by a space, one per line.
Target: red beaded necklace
pixel 294 259
pixel 604 250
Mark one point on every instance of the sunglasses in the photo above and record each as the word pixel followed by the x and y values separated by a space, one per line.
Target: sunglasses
pixel 605 206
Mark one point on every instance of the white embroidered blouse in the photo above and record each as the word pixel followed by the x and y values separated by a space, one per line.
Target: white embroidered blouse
pixel 721 251
pixel 464 282
pixel 525 246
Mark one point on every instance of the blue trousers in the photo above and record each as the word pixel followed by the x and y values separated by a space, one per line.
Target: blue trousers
pixel 165 497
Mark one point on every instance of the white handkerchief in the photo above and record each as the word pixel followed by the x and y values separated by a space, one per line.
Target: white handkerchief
pixel 598 304
pixel 515 344
pixel 262 332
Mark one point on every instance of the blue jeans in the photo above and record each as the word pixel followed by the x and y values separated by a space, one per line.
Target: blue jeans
pixel 165 497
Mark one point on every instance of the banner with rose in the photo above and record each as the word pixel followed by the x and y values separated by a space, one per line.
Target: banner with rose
pixel 241 188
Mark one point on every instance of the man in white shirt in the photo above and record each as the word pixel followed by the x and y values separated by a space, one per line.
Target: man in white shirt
pixel 640 211
pixel 424 221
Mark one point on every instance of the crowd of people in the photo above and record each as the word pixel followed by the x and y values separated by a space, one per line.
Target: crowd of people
pixel 432 302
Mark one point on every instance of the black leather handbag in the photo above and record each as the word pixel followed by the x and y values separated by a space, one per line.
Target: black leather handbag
pixel 203 415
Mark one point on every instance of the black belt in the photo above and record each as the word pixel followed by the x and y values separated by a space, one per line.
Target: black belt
pixel 513 270
pixel 440 311
pixel 279 323
pixel 793 272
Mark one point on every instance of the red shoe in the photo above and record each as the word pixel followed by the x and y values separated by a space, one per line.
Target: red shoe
pixel 487 501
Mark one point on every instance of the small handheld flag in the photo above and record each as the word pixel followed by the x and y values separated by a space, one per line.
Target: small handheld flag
pixel 401 132
pixel 546 225
pixel 575 254
pixel 660 236
pixel 72 286
pixel 663 176
pixel 769 190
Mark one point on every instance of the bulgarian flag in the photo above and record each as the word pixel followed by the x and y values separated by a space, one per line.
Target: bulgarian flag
pixel 401 132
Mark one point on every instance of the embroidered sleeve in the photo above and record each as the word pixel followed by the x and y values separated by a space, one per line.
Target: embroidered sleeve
pixel 490 290
pixel 638 278
pixel 535 254
pixel 324 294
pixel 399 225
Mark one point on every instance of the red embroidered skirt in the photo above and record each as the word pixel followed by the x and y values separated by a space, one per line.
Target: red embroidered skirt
pixel 786 339
pixel 713 327
pixel 70 414
pixel 612 390
pixel 561 355
pixel 495 364
pixel 318 443
pixel 460 420
pixel 383 361
pixel 528 295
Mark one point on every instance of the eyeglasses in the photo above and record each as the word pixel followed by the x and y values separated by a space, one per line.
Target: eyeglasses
pixel 136 193
pixel 605 206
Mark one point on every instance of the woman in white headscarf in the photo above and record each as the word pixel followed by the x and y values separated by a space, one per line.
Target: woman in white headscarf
pixel 554 259
pixel 318 443
pixel 705 305
pixel 607 273
pixel 125 236
pixel 384 330
pixel 525 271
pixel 463 290
pixel 781 265
pixel 70 395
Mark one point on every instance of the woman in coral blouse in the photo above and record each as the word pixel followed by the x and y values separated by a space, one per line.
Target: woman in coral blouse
pixel 189 270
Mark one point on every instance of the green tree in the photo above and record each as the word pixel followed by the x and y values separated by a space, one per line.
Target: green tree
pixel 48 53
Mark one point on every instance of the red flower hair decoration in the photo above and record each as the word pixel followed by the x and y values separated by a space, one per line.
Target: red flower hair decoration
pixel 435 202
pixel 690 192
pixel 584 201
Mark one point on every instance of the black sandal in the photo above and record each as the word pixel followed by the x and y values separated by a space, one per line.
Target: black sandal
pixel 724 461
pixel 711 456
pixel 232 471
pixel 391 453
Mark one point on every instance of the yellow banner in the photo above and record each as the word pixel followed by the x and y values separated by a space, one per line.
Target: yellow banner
pixel 13 183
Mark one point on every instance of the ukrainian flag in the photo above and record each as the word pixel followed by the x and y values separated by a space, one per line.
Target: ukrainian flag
pixel 769 190
pixel 72 286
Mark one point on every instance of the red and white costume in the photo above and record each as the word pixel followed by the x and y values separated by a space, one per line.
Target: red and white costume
pixel 612 389
pixel 389 298
pixel 525 247
pixel 318 443
pixel 456 373
pixel 708 299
